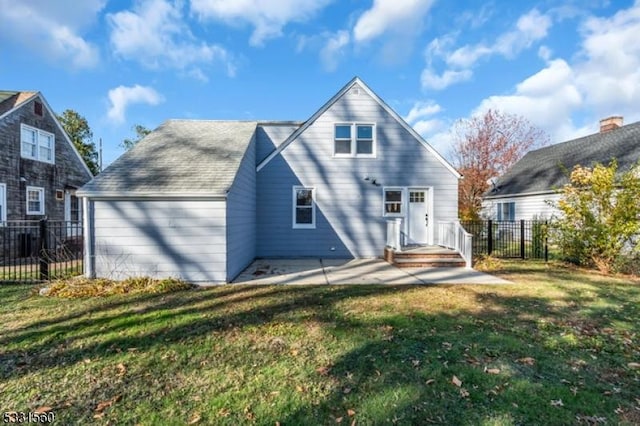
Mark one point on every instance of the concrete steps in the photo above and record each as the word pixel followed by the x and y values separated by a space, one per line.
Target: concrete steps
pixel 424 256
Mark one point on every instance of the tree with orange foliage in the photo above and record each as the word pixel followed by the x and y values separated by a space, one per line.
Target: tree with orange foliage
pixel 485 147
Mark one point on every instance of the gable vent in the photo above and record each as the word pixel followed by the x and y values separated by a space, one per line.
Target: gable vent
pixel 37 108
pixel 355 91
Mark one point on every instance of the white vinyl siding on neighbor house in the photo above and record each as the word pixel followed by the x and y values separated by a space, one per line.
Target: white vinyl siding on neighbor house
pixel 304 208
pixel 506 211
pixel 35 200
pixel 161 238
pixel 3 203
pixel 527 207
pixel 354 140
pixel 37 144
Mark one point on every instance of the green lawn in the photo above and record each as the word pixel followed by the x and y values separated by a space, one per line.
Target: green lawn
pixel 559 347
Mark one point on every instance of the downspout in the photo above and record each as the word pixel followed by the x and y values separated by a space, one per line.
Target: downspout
pixel 89 271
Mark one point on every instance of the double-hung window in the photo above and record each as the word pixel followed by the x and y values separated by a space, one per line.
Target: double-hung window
pixel 393 202
pixel 354 140
pixel 35 200
pixel 37 144
pixel 507 211
pixel 304 207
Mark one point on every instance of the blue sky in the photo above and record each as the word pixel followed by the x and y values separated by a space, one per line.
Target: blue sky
pixel 562 65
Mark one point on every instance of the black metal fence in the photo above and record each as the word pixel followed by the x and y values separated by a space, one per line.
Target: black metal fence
pixel 524 239
pixel 33 251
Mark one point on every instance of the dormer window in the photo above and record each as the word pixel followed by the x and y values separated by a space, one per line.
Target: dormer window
pixel 36 144
pixel 354 140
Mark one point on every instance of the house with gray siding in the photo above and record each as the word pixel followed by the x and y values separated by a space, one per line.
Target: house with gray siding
pixel 40 169
pixel 200 200
pixel 528 189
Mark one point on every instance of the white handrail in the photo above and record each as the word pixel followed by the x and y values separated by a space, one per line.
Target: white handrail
pixel 452 235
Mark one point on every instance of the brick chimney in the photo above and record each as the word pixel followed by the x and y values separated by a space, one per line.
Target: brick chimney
pixel 610 123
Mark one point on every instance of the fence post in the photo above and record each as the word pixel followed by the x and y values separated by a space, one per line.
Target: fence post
pixel 44 247
pixel 489 237
pixel 546 241
pixel 522 256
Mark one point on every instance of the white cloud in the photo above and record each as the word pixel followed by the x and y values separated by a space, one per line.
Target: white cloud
pixel 422 109
pixel 610 75
pixel 391 16
pixel 603 80
pixel 52 29
pixel 333 50
pixel 431 80
pixel 420 117
pixel 530 27
pixel 122 96
pixel 268 17
pixel 155 35
pixel 547 99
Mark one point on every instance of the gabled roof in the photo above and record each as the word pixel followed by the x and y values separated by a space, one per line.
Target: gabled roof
pixel 545 169
pixel 12 100
pixel 386 107
pixel 180 158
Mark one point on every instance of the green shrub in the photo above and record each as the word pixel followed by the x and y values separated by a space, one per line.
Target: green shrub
pixel 600 216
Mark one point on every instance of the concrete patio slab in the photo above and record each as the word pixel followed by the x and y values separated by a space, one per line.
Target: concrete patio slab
pixel 355 271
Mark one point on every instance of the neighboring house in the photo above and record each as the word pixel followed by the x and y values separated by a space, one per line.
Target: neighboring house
pixel 201 199
pixel 527 190
pixel 40 169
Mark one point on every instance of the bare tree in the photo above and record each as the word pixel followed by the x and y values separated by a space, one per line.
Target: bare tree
pixel 485 147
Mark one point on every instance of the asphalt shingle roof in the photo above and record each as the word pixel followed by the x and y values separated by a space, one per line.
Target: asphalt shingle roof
pixel 12 99
pixel 546 168
pixel 179 157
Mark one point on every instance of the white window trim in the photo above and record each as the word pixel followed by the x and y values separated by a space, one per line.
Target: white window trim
pixel 40 190
pixel 403 200
pixel 3 202
pixel 354 140
pixel 39 132
pixel 311 225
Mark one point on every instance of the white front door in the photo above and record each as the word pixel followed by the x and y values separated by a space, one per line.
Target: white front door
pixel 418 220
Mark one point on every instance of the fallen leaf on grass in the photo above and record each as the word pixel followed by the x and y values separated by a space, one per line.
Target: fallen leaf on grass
pixel 634 365
pixel 103 405
pixel 323 371
pixel 456 381
pixel 43 409
pixel 430 381
pixel 195 418
pixel 121 369
pixel 346 390
pixel 557 403
pixel 224 412
pixel 351 412
pixel 338 419
pixel 526 360
pixel 464 393
pixel 492 370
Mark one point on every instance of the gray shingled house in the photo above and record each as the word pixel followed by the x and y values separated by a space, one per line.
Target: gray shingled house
pixel 200 199
pixel 526 190
pixel 40 169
